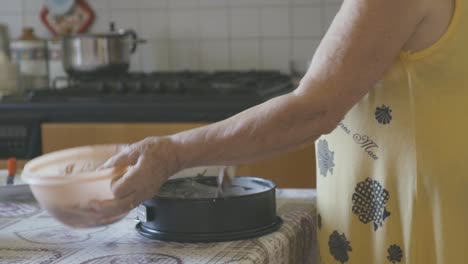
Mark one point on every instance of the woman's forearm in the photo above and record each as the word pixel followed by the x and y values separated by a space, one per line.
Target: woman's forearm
pixel 278 125
pixel 347 64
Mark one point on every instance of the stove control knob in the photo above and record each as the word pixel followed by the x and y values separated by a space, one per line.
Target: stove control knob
pixel 157 87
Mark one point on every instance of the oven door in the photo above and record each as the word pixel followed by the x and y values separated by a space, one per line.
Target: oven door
pixel 20 137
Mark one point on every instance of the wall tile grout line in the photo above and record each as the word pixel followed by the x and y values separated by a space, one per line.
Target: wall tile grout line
pixel 139 25
pixel 229 28
pixel 291 39
pixel 23 12
pixel 170 47
pixel 323 18
pixel 260 40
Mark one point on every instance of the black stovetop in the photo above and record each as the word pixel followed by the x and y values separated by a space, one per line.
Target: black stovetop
pixel 156 97
pixel 161 96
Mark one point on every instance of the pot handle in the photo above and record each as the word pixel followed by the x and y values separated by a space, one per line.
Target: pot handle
pixel 133 39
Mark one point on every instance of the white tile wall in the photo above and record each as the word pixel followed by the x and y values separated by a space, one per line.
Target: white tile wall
pixel 245 22
pixel 329 14
pixel 273 2
pixel 99 5
pixel 185 54
pixel 214 23
pixel 122 4
pixel 102 22
pixel 135 62
pixel 307 21
pixel 211 3
pixel 10 6
pixel 297 2
pixel 304 48
pixel 155 55
pixel 125 18
pixel 150 4
pixel 274 22
pixel 245 3
pixel 14 23
pixel 184 23
pixel 328 2
pixel 245 54
pixel 215 55
pixel 31 6
pixel 203 34
pixel 275 54
pixel 184 3
pixel 303 51
pixel 32 20
pixel 154 24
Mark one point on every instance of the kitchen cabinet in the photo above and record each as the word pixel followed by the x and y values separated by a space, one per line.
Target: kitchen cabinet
pixel 292 170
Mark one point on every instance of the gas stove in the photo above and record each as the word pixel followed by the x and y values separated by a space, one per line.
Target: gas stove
pixel 188 96
pixel 154 87
pixel 141 97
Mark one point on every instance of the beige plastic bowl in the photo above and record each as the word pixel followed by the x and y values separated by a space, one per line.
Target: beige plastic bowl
pixel 64 183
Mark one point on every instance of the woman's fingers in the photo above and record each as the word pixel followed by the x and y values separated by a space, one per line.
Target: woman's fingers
pixel 138 171
pixel 127 184
pixel 115 207
pixel 120 160
pixel 125 157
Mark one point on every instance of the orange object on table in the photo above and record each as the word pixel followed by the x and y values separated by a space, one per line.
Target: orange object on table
pixel 11 165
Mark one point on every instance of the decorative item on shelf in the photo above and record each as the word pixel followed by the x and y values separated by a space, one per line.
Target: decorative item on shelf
pixel 4 40
pixel 30 53
pixel 8 76
pixel 8 71
pixel 59 15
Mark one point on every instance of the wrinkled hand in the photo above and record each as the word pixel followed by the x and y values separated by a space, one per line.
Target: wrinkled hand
pixel 149 164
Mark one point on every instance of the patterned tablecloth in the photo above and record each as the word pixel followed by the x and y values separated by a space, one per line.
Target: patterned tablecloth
pixel 30 235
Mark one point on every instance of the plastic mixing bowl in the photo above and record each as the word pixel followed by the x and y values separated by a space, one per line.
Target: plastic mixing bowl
pixel 65 182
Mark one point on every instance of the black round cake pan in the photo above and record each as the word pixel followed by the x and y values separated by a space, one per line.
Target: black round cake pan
pixel 246 211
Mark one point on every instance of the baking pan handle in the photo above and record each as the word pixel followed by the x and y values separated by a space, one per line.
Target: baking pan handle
pixel 142 214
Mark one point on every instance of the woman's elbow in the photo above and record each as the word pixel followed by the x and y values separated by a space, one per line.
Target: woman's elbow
pixel 330 121
pixel 324 115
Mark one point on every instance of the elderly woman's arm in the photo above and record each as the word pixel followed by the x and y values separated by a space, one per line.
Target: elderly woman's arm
pixel 363 41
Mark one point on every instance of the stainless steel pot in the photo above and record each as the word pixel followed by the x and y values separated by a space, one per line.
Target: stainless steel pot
pixel 99 54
